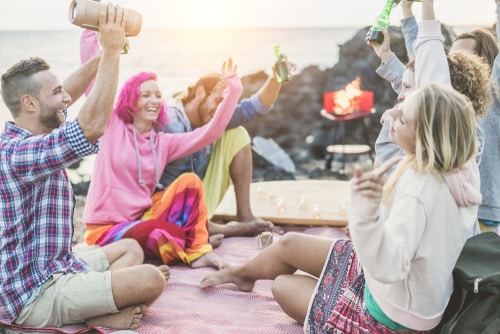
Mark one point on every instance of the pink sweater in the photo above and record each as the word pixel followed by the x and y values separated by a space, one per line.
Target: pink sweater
pixel 116 194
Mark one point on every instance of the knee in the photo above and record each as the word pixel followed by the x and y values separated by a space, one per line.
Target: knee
pixel 288 240
pixel 276 287
pixel 134 250
pixel 153 279
pixel 190 180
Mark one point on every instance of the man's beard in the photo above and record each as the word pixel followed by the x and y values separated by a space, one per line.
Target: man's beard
pixel 203 112
pixel 49 116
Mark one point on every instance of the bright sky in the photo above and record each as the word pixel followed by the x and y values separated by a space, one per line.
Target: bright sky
pixel 53 14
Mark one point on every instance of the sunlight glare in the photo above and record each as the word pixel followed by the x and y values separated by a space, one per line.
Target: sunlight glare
pixel 209 16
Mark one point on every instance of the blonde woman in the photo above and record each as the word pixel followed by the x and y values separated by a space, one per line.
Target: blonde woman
pixel 395 276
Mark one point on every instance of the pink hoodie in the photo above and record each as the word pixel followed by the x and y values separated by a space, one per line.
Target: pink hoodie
pixel 129 164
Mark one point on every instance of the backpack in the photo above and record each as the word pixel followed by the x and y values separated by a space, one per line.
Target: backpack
pixel 474 306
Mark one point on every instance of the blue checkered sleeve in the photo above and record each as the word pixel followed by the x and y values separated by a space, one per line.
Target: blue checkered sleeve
pixel 77 141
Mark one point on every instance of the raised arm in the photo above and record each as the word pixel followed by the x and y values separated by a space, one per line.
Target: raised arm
pixel 96 111
pixel 268 93
pixel 391 68
pixel 428 10
pixel 497 2
pixel 177 145
pixel 409 27
pixel 431 65
pixel 495 71
pixel 258 104
pixel 76 84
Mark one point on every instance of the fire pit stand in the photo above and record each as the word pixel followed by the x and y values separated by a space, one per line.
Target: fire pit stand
pixel 339 146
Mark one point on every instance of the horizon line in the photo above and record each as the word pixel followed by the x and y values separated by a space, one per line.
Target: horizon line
pixel 70 28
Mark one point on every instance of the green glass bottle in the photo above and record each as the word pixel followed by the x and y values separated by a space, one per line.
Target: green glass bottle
pixel 381 23
pixel 281 66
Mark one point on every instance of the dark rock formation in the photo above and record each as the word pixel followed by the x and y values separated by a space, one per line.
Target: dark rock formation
pixel 296 113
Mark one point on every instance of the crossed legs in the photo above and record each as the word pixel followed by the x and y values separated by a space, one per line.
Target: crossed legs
pixel 114 294
pixel 134 285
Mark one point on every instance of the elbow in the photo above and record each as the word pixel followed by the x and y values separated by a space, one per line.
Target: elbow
pixel 92 131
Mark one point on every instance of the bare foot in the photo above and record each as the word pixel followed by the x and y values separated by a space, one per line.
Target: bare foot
pixel 229 275
pixel 257 220
pixel 216 240
pixel 126 318
pixel 240 229
pixel 209 260
pixel 165 270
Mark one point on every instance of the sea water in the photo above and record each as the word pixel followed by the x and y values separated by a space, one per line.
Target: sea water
pixel 180 56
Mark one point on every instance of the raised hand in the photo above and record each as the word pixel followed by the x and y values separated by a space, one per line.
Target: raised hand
pixel 228 68
pixel 292 67
pixel 383 51
pixel 406 7
pixel 370 184
pixel 112 21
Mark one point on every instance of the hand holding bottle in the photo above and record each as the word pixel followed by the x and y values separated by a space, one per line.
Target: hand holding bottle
pixel 112 20
pixel 291 68
pixel 383 50
pixel 381 23
pixel 282 70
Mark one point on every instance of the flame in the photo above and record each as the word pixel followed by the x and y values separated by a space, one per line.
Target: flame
pixel 347 100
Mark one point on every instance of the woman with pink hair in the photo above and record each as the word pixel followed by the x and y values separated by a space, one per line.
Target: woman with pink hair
pixel 171 224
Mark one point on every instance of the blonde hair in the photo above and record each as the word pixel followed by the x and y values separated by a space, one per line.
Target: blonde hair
pixel 445 134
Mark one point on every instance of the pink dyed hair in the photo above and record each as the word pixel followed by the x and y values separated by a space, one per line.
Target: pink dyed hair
pixel 126 103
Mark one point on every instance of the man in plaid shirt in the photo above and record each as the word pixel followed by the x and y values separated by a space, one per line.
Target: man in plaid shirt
pixel 43 283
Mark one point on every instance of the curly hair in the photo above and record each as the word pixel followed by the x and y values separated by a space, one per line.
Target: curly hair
pixel 470 75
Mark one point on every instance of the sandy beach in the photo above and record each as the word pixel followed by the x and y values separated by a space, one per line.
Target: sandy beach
pixel 77 220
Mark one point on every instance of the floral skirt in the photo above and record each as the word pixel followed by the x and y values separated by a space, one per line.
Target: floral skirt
pixel 338 305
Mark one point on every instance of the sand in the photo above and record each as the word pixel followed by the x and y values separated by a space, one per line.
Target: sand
pixel 77 220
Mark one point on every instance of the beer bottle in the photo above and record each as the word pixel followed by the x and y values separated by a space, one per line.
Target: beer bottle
pixel 281 66
pixel 381 23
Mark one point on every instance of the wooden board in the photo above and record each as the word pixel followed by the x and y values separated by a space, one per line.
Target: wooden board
pixel 298 202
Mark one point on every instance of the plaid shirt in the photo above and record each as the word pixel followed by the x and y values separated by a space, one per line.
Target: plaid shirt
pixel 36 209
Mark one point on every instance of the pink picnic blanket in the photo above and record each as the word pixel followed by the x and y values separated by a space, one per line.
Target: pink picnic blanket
pixel 185 308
